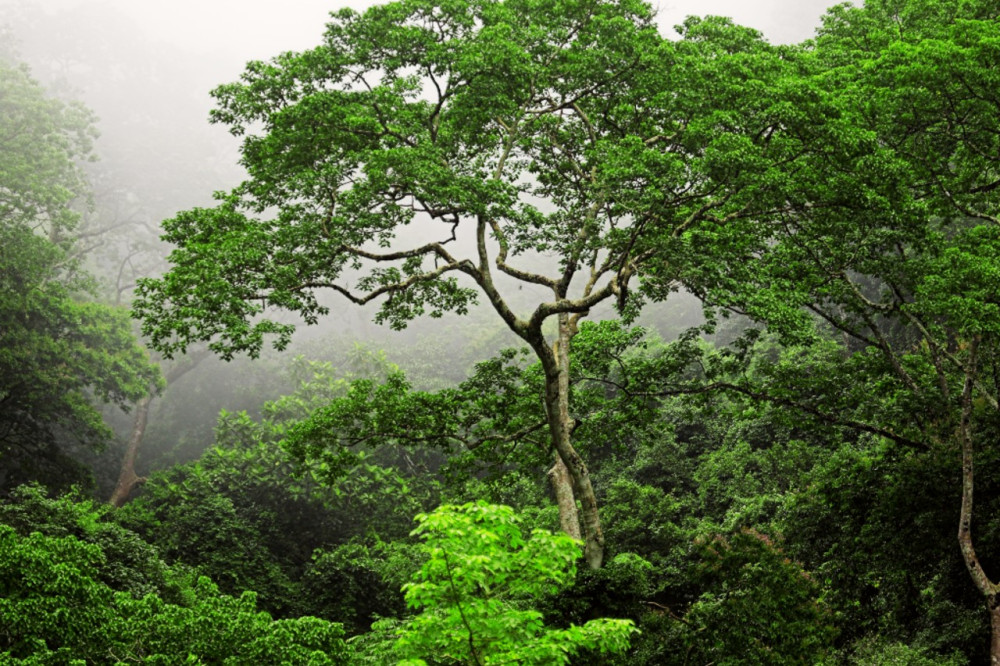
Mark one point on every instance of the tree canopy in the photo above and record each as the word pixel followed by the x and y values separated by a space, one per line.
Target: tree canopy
pixel 890 237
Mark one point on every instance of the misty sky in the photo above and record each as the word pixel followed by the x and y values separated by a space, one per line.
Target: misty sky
pixel 229 32
pixel 257 28
pixel 153 62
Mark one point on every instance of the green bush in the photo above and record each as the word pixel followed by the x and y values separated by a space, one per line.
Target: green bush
pixel 355 583
pixel 220 629
pixel 50 601
pixel 758 607
pixel 130 564
pixel 872 652
pixel 54 610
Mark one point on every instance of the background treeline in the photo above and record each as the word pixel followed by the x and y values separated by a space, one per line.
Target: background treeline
pixel 780 476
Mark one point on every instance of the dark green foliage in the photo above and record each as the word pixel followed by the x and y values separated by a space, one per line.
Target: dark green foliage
pixel 356 584
pixel 889 237
pixel 884 653
pixel 130 564
pixel 789 498
pixel 875 526
pixel 191 522
pixel 53 610
pixel 624 587
pixel 705 594
pixel 645 519
pixel 306 540
pixel 757 606
pixel 871 522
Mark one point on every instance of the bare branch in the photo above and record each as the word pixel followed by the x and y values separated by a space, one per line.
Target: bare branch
pixel 399 286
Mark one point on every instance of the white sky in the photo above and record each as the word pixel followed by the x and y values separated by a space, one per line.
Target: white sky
pixel 259 28
pixel 230 32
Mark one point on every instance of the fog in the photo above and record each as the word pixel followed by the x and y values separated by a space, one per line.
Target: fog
pixel 223 34
pixel 158 60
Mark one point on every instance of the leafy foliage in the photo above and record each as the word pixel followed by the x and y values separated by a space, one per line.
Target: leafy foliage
pixel 476 588
pixel 129 563
pixel 759 607
pixel 571 135
pixel 307 538
pixel 787 499
pixel 888 238
pixel 54 610
pixel 43 140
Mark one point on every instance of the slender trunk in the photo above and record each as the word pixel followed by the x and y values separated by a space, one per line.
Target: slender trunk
pixel 562 486
pixel 127 478
pixel 986 587
pixel 995 633
pixel 561 427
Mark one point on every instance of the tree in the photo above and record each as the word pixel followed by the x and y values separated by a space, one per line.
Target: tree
pixel 54 610
pixel 112 206
pixel 757 607
pixel 248 517
pixel 129 563
pixel 514 134
pixel 475 588
pixel 57 351
pixel 891 235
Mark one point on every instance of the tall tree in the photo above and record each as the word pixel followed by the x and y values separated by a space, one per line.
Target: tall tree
pixel 891 234
pixel 57 351
pixel 429 154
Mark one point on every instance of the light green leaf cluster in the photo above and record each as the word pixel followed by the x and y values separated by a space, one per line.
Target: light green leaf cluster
pixel 476 592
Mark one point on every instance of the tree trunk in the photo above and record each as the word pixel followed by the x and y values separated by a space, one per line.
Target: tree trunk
pixel 989 589
pixel 562 486
pixel 560 428
pixel 127 478
pixel 995 632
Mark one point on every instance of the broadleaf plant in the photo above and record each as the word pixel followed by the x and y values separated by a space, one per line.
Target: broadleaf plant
pixel 477 591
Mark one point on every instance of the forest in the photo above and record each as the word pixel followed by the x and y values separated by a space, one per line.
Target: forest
pixel 519 332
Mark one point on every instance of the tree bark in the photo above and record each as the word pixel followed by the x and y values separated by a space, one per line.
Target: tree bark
pixel 995 632
pixel 127 478
pixel 561 428
pixel 562 486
